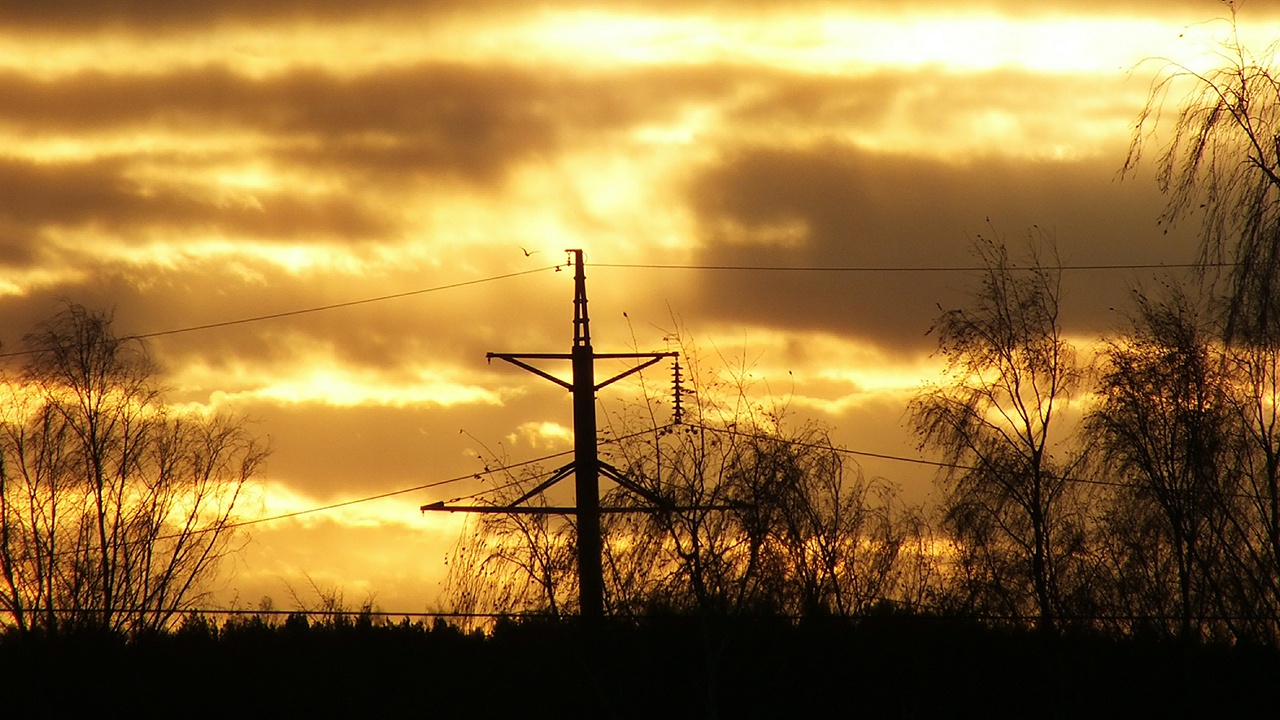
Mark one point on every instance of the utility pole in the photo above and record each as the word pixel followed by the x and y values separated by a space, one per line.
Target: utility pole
pixel 586 466
pixel 586 458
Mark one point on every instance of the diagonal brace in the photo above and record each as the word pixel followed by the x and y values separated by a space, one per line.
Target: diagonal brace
pixel 653 358
pixel 556 477
pixel 633 486
pixel 515 360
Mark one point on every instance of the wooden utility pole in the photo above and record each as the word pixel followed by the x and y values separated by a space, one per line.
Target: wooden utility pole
pixel 586 466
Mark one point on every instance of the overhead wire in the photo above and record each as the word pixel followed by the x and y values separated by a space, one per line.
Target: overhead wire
pixel 881 456
pixel 921 461
pixel 334 506
pixel 402 491
pixel 314 309
pixel 900 268
pixel 426 486
pixel 636 266
pixel 925 612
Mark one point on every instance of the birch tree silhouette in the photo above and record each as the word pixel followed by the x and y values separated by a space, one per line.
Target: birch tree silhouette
pixel 1222 160
pixel 115 510
pixel 994 417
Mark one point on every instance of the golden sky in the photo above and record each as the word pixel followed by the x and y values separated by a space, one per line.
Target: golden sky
pixel 191 163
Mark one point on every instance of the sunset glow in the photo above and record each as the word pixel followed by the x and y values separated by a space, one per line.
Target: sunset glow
pixel 187 167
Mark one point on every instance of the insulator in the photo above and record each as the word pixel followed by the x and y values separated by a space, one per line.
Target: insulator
pixel 677 415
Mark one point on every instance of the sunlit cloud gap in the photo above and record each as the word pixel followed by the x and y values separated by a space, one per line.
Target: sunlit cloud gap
pixel 841 43
pixel 814 41
pixel 325 386
pixel 401 491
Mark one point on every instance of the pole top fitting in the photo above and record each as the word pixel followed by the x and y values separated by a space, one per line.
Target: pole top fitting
pixel 581 323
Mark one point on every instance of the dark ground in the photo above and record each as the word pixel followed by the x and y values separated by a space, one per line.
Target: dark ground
pixel 892 667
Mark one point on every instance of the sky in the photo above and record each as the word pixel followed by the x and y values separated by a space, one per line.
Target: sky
pixel 185 164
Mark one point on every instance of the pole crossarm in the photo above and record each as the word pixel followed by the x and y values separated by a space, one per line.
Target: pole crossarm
pixel 560 510
pixel 518 359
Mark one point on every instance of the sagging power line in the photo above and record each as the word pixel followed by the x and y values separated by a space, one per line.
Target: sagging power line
pixel 313 309
pixel 632 266
pixel 900 268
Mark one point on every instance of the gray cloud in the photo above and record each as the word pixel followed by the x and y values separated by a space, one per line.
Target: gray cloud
pixel 454 327
pixel 863 209
pixel 103 194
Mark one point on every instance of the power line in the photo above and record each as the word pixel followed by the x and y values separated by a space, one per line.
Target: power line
pixel 725 431
pixel 634 266
pixel 947 465
pixel 896 458
pixel 903 268
pixel 369 498
pixel 393 493
pixel 310 310
pixel 334 506
pixel 832 448
pixel 417 488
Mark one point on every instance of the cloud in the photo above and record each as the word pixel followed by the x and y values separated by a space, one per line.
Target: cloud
pixel 843 207
pixel 331 452
pixel 440 116
pixel 779 167
pixel 103 196
pixel 328 156
pixel 935 112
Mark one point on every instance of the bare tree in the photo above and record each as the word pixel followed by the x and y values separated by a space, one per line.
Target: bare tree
pixel 1223 158
pixel 1162 423
pixel 114 509
pixel 1254 397
pixel 995 419
pixel 513 563
pixel 767 520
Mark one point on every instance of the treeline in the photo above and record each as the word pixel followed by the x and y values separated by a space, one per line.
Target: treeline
pixel 673 667
pixel 1134 492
